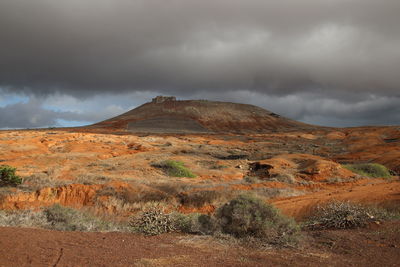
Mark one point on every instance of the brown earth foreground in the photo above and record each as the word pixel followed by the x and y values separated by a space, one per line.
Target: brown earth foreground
pixel 374 246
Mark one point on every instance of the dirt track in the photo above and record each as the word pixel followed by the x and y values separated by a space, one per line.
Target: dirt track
pixel 372 192
pixel 376 246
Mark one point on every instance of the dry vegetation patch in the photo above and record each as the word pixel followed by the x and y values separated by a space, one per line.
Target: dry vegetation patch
pixel 372 170
pixel 61 218
pixel 346 215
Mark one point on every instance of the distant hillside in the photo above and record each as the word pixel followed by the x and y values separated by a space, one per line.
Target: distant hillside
pixel 167 115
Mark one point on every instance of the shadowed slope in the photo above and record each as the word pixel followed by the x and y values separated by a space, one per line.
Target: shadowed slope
pixel 167 115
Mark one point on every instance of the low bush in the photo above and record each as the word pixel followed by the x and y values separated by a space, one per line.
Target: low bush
pixel 26 218
pixel 68 219
pixel 175 168
pixel 195 223
pixel 248 216
pixel 373 170
pixel 245 217
pixel 58 217
pixel 8 176
pixel 343 215
pixel 153 222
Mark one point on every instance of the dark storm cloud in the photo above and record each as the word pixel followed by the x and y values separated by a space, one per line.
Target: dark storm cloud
pixel 315 108
pixel 330 62
pixel 276 47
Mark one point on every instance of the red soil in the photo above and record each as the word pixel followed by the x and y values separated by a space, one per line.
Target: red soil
pixel 374 246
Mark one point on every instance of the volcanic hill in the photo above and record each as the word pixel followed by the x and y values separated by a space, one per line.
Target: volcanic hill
pixel 167 115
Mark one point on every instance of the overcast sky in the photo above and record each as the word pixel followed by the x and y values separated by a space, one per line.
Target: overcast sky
pixel 327 62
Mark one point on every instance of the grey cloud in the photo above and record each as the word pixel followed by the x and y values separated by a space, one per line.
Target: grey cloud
pixel 370 111
pixel 307 107
pixel 323 110
pixel 28 115
pixel 32 114
pixel 87 47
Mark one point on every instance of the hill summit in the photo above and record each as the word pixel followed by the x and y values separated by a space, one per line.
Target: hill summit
pixel 165 114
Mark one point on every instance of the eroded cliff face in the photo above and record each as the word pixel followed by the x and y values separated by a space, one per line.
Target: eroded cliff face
pixel 74 195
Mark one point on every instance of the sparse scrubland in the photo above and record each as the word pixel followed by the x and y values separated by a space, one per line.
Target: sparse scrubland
pixel 248 220
pixel 298 193
pixel 60 218
pixel 347 215
pixel 243 217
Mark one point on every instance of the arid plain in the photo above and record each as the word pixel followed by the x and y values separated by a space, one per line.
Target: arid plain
pixel 110 170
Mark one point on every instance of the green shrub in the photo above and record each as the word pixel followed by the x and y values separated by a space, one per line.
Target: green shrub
pixel 153 222
pixel 8 176
pixel 343 215
pixel 248 216
pixel 373 170
pixel 175 168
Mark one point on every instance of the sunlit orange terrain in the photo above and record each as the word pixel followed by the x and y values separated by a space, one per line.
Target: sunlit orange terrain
pixel 293 165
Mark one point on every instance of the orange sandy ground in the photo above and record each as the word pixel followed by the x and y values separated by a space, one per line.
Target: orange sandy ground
pixel 69 166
